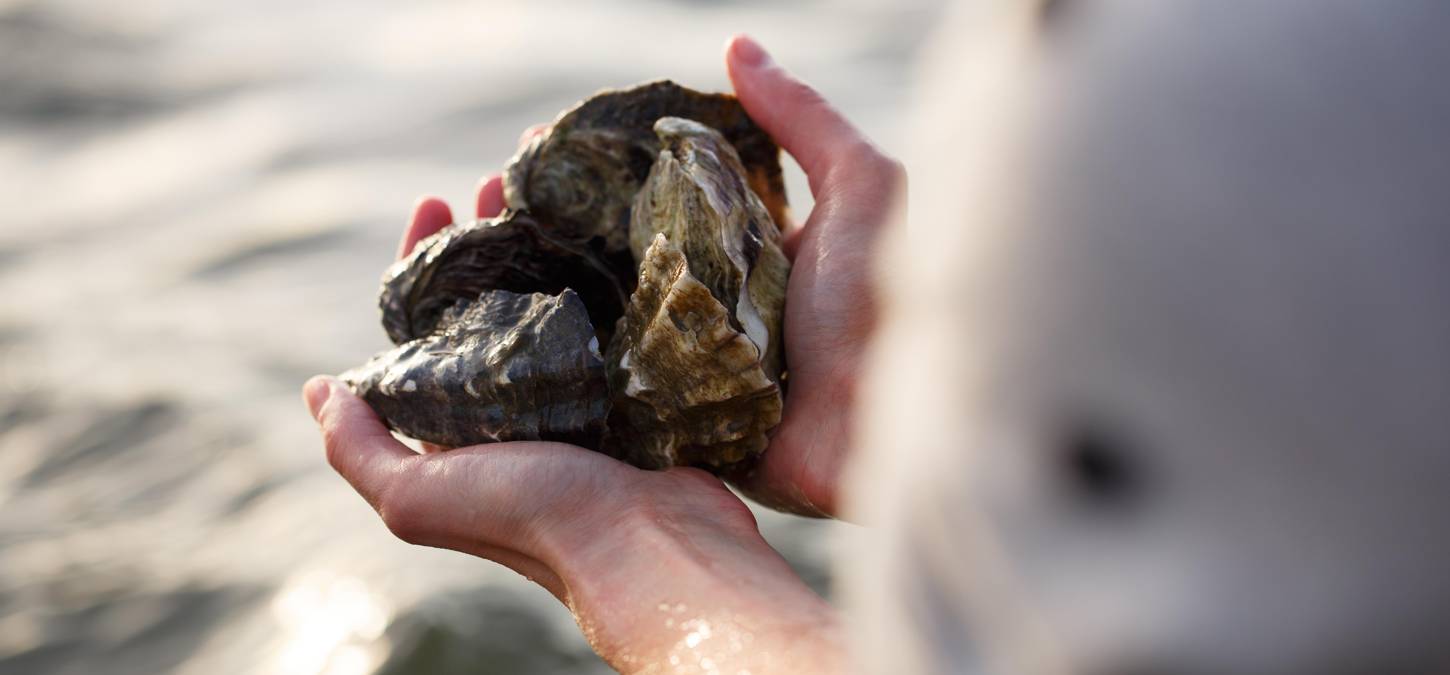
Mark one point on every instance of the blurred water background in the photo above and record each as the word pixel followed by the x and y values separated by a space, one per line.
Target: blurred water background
pixel 196 201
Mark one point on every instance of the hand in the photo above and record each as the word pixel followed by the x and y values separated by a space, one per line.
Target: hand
pixel 660 568
pixel 830 306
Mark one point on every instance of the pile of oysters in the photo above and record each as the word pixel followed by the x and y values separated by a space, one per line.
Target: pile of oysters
pixel 628 300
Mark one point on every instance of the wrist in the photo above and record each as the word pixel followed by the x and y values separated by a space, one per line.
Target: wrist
pixel 688 587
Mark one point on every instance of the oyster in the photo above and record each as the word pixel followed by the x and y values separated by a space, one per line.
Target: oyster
pixel 696 198
pixel 647 232
pixel 512 252
pixel 687 386
pixel 694 369
pixel 581 175
pixel 508 366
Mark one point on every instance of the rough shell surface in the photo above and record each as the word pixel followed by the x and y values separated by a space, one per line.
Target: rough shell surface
pixel 512 252
pixel 688 386
pixel 652 229
pixel 695 367
pixel 696 197
pixel 581 175
pixel 508 366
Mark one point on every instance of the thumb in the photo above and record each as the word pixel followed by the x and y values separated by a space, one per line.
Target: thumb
pixel 522 504
pixel 827 146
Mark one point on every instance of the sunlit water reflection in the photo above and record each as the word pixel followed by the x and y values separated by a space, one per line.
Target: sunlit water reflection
pixel 329 625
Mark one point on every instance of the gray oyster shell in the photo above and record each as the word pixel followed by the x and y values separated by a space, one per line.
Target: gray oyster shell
pixel 505 367
pixel 512 252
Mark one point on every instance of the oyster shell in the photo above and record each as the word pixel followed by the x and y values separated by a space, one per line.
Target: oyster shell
pixel 512 252
pixel 648 232
pixel 694 369
pixel 695 196
pixel 581 175
pixel 688 387
pixel 508 366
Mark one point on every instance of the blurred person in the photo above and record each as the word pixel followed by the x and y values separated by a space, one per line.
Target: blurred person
pixel 1156 378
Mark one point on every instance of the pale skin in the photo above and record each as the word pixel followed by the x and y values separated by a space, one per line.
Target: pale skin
pixel 666 570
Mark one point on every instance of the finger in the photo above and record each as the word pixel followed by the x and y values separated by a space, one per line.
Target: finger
pixel 412 495
pixel 358 446
pixel 521 496
pixel 490 196
pixel 430 214
pixel 824 143
pixel 530 133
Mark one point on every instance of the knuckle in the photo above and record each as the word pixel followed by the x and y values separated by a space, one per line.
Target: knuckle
pixel 636 510
pixel 701 479
pixel 403 517
pixel 857 156
pixel 879 165
pixel 734 512
pixel 861 165
pixel 711 490
pixel 802 94
pixel 334 441
pixel 893 169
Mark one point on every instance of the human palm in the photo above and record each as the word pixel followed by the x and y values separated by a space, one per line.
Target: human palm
pixel 644 559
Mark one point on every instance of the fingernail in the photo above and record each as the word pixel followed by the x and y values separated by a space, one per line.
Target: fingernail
pixel 316 392
pixel 748 52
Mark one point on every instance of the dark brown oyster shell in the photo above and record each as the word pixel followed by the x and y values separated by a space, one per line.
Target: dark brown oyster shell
pixel 694 369
pixel 513 253
pixel 580 176
pixel 505 367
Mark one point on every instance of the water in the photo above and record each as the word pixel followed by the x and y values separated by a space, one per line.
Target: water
pixel 197 201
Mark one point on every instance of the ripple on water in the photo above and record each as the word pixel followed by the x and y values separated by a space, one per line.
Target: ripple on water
pixel 457 632
pixel 129 629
